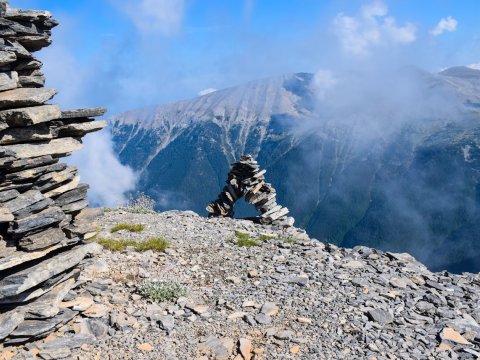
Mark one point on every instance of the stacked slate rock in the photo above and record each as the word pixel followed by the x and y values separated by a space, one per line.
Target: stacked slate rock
pixel 43 215
pixel 247 180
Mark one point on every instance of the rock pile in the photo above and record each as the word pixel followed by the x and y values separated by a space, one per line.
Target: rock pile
pixel 247 180
pixel 43 215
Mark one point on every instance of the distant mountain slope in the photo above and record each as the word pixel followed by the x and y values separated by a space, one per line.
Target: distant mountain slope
pixel 416 189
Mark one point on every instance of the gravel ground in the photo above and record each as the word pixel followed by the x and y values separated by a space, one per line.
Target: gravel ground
pixel 291 297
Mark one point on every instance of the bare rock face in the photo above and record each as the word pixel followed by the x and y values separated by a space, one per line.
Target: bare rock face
pixel 42 202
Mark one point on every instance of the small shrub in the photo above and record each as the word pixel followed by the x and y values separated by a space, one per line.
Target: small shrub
pixel 162 290
pixel 129 227
pixel 244 239
pixel 142 204
pixel 115 244
pixel 156 244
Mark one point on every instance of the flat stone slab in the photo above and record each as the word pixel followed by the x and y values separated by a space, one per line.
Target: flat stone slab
pixel 79 113
pixel 24 280
pixel 53 147
pixel 30 115
pixel 49 216
pixel 80 129
pixel 39 327
pixel 42 240
pixel 20 257
pixel 24 97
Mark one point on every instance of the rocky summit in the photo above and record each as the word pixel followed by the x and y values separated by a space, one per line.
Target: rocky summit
pixel 284 296
pixel 43 215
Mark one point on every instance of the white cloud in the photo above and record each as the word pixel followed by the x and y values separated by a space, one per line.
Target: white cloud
pixel 446 24
pixel 99 167
pixel 323 81
pixel 371 28
pixel 206 91
pixel 157 16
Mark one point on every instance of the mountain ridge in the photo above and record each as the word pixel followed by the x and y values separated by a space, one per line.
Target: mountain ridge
pixel 334 175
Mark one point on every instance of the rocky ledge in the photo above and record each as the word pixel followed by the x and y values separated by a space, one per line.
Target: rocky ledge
pixel 285 297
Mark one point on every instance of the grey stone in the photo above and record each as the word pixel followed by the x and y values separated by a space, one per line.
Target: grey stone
pixel 16 283
pixel 81 113
pixel 30 115
pixel 25 134
pixel 29 163
pixel 77 194
pixel 28 15
pixel 167 323
pixel 8 80
pixel 49 216
pixel 81 129
pixel 8 195
pixel 9 321
pixel 5 215
pixel 263 319
pixel 7 57
pixel 23 97
pixel 42 240
pixel 19 257
pixel 37 328
pixel 24 201
pixel 381 316
pixel 53 147
pixel 34 42
pixel 75 206
pixel 31 81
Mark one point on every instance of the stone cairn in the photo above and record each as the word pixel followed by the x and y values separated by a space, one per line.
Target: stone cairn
pixel 43 215
pixel 245 179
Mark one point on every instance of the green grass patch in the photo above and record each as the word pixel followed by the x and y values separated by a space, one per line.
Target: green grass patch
pixel 115 244
pixel 129 227
pixel 244 239
pixel 154 244
pixel 290 240
pixel 162 290
pixel 265 237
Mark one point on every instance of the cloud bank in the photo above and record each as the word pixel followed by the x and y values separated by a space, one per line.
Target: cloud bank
pixel 446 24
pixel 99 167
pixel 157 16
pixel 371 28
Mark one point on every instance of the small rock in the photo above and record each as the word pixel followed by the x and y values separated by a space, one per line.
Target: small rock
pixel 353 264
pixel 249 303
pixel 380 316
pixel 236 315
pixel 245 347
pixel 269 309
pixel 167 323
pixel 304 320
pixel 96 311
pixel 284 334
pixel 145 347
pixel 295 349
pixel 451 335
pixel 263 319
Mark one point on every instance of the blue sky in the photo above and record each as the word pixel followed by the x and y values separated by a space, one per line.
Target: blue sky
pixel 125 54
